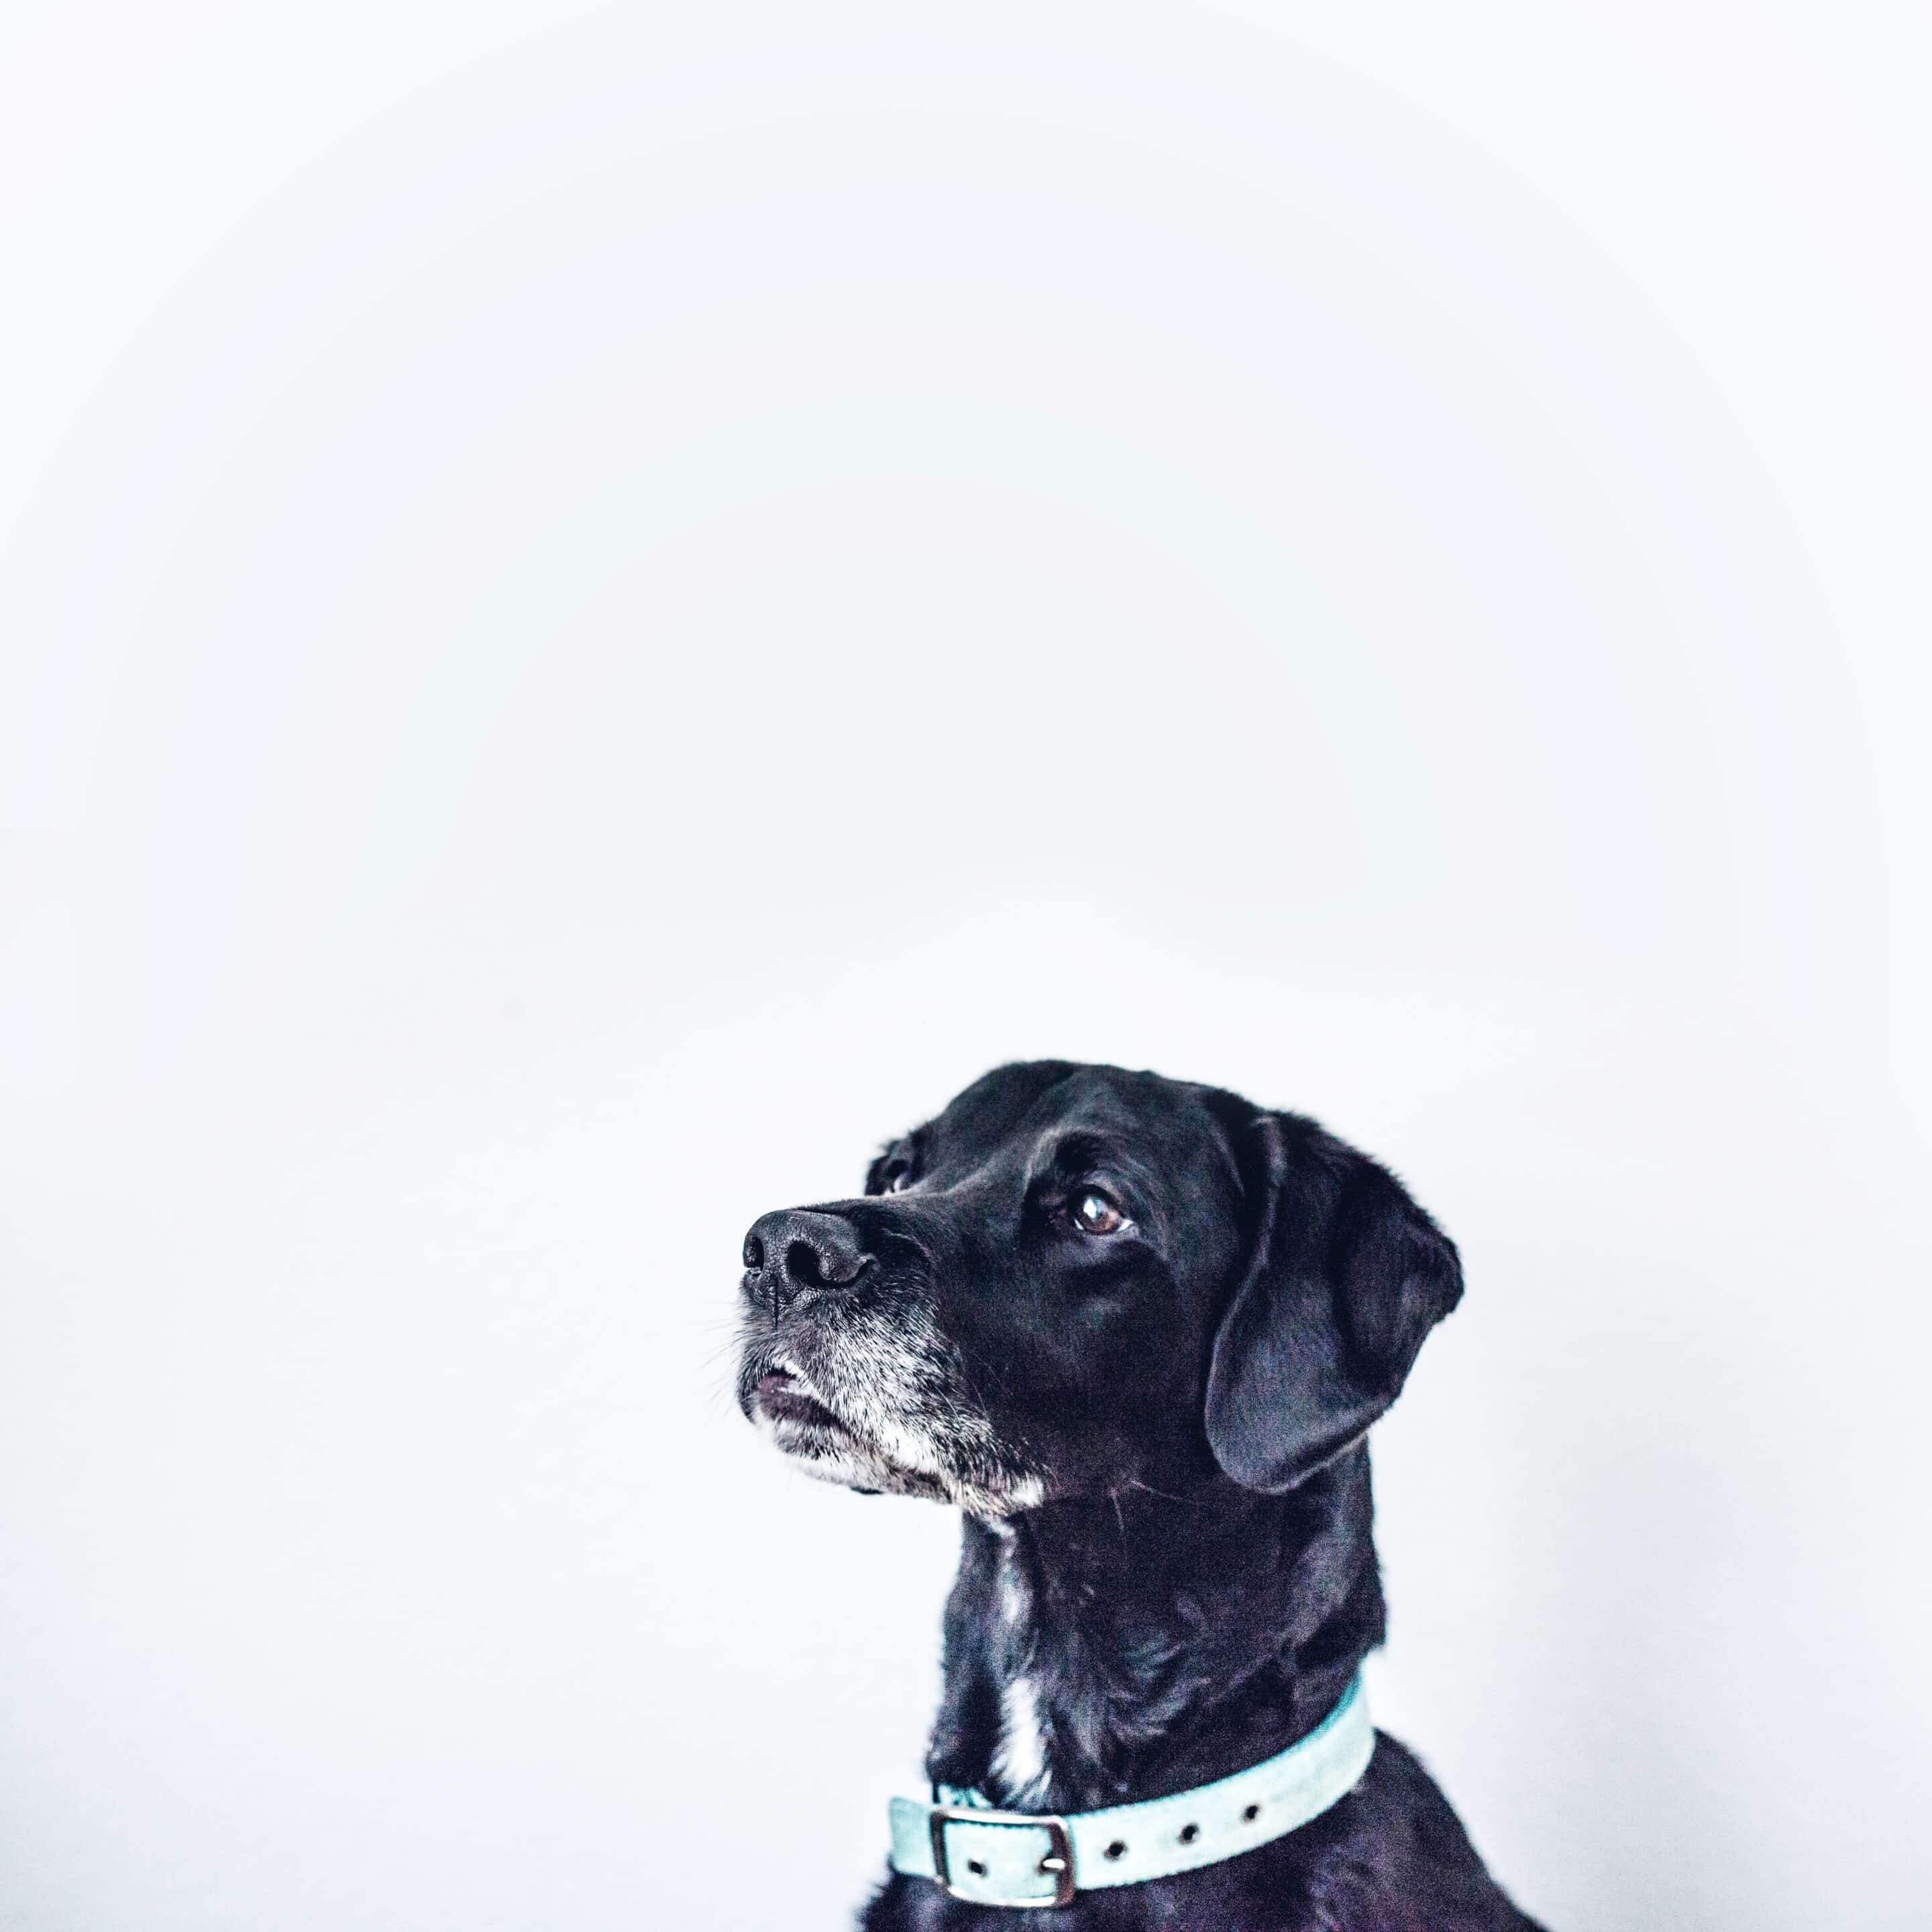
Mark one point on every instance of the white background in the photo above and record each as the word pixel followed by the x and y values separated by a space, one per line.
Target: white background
pixel 601 605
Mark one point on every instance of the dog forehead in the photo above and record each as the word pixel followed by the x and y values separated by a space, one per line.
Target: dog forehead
pixel 1022 1109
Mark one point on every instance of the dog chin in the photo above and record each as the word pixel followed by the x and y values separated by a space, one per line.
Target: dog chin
pixel 830 1458
pixel 880 1450
pixel 824 1448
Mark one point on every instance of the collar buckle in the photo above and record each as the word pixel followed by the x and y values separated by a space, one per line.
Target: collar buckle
pixel 978 1884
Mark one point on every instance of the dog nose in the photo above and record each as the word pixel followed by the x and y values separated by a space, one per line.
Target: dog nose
pixel 793 1250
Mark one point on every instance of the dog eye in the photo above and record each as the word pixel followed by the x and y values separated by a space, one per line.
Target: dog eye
pixel 1095 1213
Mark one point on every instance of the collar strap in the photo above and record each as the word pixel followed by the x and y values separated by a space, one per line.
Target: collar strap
pixel 1025 1857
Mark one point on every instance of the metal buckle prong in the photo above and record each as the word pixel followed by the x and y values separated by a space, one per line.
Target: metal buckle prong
pixel 1057 1865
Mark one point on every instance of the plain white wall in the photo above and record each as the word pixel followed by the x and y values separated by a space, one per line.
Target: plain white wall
pixel 601 606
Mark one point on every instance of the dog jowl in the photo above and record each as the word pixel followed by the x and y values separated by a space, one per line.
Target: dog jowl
pixel 1136 1331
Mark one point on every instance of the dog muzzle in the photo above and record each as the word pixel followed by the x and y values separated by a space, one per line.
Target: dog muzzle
pixel 987 1857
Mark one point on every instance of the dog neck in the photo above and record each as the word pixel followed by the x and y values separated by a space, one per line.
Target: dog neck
pixel 1100 1652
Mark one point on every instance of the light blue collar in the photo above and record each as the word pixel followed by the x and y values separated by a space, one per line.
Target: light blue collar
pixel 1023 1857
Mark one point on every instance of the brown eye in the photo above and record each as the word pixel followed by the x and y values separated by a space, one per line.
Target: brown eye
pixel 1094 1213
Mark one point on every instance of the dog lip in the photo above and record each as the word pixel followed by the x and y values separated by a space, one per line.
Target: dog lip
pixel 782 1397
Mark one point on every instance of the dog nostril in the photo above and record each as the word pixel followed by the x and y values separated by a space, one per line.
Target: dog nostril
pixel 795 1253
pixel 806 1266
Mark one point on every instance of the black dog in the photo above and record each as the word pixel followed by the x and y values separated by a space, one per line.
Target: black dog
pixel 1137 1331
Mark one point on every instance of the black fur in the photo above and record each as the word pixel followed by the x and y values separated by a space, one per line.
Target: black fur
pixel 1156 1436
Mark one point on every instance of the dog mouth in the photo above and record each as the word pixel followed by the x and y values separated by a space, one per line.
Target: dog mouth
pixel 783 1398
pixel 899 1429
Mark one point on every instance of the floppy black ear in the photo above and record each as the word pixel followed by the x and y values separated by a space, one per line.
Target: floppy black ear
pixel 1346 1277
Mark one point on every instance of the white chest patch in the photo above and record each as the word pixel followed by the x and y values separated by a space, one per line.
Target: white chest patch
pixel 1021 1759
pixel 1012 1596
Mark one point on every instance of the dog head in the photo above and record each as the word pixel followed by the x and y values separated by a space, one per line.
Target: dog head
pixel 1076 1280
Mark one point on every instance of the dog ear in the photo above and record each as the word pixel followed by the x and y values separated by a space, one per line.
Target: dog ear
pixel 1346 1278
